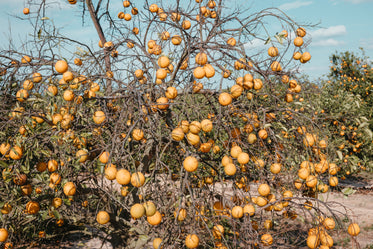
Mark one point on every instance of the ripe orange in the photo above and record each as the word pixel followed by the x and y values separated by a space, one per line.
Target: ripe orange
pixel 206 125
pixel 137 211
pixel 155 219
pixel 69 189
pixel 243 158
pixel 191 241
pixel 264 189
pixel 237 212
pixel 230 169
pixel 61 66
pixel 15 152
pixel 266 239
pixel 150 208
pixel 195 127
pixel 57 202
pixel 180 214
pixel 137 134
pixel 137 179
pixel 26 11
pixel 82 155
pixel 353 229
pixel 123 177
pixel 3 234
pixel 111 173
pixel 102 217
pixel 177 134
pixel 225 99
pixel 6 209
pixel 298 41
pixel 99 117
pixel 190 164
pixel 104 157
pixel 32 207
pixel 157 243
pixel 249 209
pixel 329 223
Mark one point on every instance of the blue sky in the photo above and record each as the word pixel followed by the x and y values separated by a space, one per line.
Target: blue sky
pixel 343 25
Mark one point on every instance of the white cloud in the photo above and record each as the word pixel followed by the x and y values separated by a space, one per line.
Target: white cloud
pixel 294 5
pixel 366 43
pixel 327 42
pixel 255 43
pixel 329 32
pixel 358 1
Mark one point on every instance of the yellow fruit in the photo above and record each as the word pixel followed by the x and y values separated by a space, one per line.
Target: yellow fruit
pixel 82 155
pixel 123 177
pixel 249 209
pixel 137 179
pixel 243 158
pixel 225 99
pixel 191 241
pixel 3 234
pixel 103 217
pixel 57 202
pixel 230 169
pixel 353 229
pixel 156 243
pixel 111 173
pixel 180 214
pixel 99 117
pixel 206 125
pixel 235 151
pixel 264 189
pixel 69 189
pixel 266 239
pixel 155 219
pixel 190 164
pixel 311 181
pixel 177 134
pixel 61 66
pixel 137 211
pixel 150 208
pixel 237 212
pixel 104 157
pixel 276 168
pixel 313 241
pixel 32 207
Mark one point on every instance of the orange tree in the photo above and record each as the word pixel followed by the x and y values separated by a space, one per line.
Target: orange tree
pixel 172 133
pixel 344 105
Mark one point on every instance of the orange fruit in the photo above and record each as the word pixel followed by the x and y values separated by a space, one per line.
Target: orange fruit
pixel 225 99
pixel 190 164
pixel 102 217
pixel 237 212
pixel 264 189
pixel 32 207
pixel 99 117
pixel 157 243
pixel 111 173
pixel 137 211
pixel 353 229
pixel 191 241
pixel 155 219
pixel 61 66
pixel 137 179
pixel 266 239
pixel 123 177
pixel 69 189
pixel 3 234
pixel 150 208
